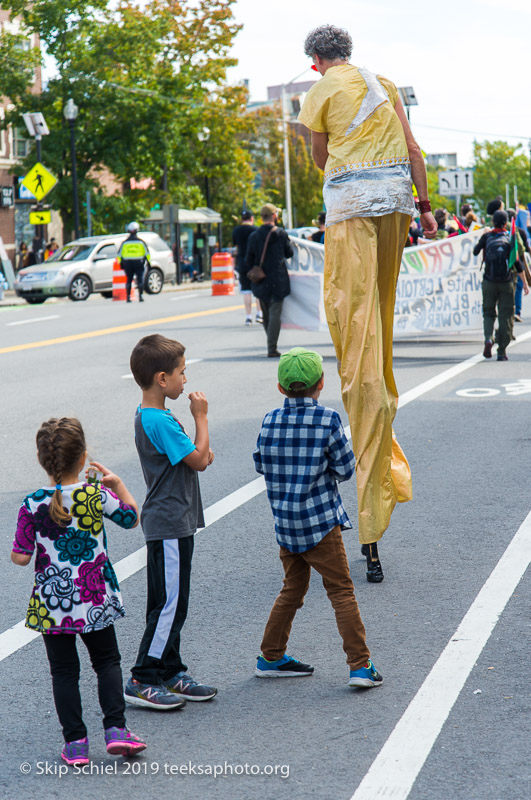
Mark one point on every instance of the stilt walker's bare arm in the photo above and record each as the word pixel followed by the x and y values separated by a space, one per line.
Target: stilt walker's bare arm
pixel 418 172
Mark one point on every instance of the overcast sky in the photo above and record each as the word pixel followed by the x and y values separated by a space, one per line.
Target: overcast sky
pixel 467 60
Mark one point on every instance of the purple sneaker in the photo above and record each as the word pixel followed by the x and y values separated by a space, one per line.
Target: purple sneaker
pixel 76 752
pixel 121 742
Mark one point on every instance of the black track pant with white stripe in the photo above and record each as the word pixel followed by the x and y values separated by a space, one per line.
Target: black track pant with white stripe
pixel 169 563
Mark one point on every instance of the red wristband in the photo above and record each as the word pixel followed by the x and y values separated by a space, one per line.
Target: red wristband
pixel 424 206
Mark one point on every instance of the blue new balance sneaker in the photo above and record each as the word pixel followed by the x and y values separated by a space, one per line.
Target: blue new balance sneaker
pixel 158 698
pixel 183 686
pixel 365 677
pixel 285 667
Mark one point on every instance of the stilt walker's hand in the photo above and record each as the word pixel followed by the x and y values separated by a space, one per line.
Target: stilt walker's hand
pixel 429 225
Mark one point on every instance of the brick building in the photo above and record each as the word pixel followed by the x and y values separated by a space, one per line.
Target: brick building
pixel 14 145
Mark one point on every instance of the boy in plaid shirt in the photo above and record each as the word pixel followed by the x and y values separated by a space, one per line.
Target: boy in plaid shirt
pixel 302 451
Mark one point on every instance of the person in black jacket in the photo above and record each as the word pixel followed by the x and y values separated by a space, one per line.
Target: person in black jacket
pixel 272 290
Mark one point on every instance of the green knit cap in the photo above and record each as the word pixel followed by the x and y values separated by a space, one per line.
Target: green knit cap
pixel 299 365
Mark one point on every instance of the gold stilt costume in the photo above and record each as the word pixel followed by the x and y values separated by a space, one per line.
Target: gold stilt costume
pixel 369 204
pixel 362 261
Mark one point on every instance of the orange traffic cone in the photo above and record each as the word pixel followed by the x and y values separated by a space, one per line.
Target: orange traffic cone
pixel 119 279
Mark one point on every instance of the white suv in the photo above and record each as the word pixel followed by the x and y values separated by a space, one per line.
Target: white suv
pixel 85 266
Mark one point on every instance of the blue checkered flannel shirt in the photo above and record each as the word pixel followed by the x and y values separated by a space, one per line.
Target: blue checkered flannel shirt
pixel 302 451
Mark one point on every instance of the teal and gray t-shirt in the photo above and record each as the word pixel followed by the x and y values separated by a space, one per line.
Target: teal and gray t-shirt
pixel 172 508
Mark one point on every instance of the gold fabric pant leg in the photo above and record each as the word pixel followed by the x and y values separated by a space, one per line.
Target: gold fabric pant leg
pixel 362 262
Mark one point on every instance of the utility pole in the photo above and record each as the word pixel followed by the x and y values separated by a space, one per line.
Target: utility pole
pixel 36 125
pixel 287 172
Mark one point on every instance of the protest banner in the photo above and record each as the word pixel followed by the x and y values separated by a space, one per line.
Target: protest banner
pixel 304 308
pixel 438 290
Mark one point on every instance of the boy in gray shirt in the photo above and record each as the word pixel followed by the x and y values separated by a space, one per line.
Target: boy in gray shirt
pixel 171 514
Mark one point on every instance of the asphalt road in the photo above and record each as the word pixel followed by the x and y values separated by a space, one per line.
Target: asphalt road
pixel 468 445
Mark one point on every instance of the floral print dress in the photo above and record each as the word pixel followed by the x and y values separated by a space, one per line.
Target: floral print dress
pixel 76 589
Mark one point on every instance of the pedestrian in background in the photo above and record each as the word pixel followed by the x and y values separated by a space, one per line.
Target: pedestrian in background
pixel 362 140
pixel 134 257
pixel 470 220
pixel 498 284
pixel 240 238
pixel 302 452
pixel 441 218
pixel 76 591
pixel 519 283
pixel 22 256
pixel 319 236
pixel 269 246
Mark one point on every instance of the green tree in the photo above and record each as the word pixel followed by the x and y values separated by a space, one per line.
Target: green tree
pixel 496 164
pixel 17 65
pixel 267 151
pixel 146 76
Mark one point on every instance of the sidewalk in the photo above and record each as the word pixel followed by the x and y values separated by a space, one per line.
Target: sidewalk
pixel 10 298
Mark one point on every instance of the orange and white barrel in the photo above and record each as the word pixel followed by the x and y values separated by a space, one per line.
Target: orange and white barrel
pixel 222 272
pixel 119 279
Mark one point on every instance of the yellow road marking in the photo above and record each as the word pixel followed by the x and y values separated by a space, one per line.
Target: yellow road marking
pixel 119 329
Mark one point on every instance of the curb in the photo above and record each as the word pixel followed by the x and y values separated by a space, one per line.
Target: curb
pixel 11 300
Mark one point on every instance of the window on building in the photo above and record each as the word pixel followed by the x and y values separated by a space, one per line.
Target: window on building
pixel 21 144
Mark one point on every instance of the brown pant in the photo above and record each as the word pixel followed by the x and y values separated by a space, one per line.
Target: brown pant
pixel 329 559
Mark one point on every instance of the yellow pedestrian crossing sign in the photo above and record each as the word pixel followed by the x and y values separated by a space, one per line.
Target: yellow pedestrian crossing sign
pixel 40 217
pixel 39 181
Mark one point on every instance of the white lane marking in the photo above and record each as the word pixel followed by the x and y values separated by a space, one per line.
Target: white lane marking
pixel 479 391
pixel 17 636
pixel 137 560
pixel 184 296
pixel 448 374
pixel 129 377
pixel 396 767
pixel 34 319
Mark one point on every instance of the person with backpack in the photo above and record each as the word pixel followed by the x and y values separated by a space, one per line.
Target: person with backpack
pixel 498 283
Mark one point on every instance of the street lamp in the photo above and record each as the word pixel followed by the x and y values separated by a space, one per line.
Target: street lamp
pixel 71 111
pixel 204 135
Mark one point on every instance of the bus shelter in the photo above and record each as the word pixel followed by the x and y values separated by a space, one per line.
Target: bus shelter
pixel 193 235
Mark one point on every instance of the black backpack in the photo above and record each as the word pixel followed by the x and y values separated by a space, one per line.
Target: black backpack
pixel 497 249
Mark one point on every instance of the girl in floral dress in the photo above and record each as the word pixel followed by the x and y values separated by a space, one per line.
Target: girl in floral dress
pixel 76 590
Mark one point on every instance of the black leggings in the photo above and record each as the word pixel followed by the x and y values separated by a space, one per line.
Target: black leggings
pixel 64 668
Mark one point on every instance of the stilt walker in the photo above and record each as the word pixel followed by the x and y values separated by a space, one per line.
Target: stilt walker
pixel 362 140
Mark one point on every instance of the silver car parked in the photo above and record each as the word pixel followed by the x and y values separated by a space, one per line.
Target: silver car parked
pixel 85 266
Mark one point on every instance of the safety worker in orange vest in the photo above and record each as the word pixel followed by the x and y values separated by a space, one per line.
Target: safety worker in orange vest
pixel 133 257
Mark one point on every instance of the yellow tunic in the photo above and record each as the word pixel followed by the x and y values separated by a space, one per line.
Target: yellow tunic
pixel 368 171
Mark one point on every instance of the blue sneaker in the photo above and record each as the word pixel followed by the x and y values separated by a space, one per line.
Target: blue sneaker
pixel 183 686
pixel 365 677
pixel 285 667
pixel 158 698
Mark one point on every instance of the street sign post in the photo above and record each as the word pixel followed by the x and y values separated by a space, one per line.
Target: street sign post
pixel 456 182
pixel 39 181
pixel 40 217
